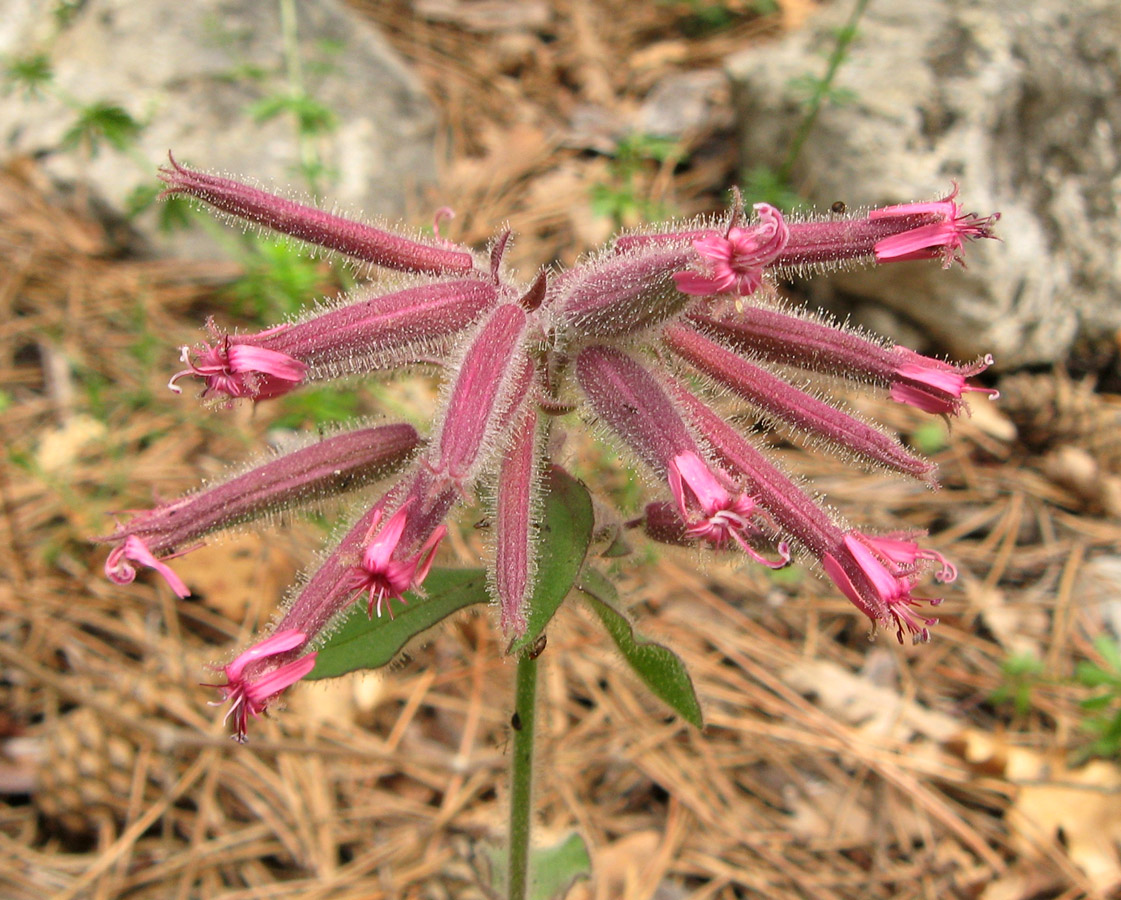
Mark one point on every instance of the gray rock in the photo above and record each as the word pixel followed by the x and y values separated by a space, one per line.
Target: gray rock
pixel 685 102
pixel 1020 103
pixel 190 72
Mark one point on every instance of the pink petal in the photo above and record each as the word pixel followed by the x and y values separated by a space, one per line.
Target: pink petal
pixel 281 642
pixel 280 679
pixel 245 358
pixel 695 284
pixel 136 549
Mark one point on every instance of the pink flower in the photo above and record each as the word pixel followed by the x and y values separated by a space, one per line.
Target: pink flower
pixel 934 386
pixel 736 260
pixel 794 339
pixel 119 568
pixel 941 230
pixel 384 578
pixel 722 516
pixel 878 574
pixel 252 691
pixel 241 370
pixel 624 325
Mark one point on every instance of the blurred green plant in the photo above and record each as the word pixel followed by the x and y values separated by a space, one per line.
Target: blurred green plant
pixel 1021 675
pixel 772 185
pixel 930 438
pixel 623 199
pixel 1103 710
pixel 94 124
pixel 65 10
pixel 173 214
pixel 317 407
pixel 101 122
pixel 278 278
pixel 704 17
pixel 31 74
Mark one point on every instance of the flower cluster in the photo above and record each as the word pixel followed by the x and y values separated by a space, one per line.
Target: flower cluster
pixel 642 336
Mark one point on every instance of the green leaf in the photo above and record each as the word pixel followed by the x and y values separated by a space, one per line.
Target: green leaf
pixel 102 122
pixel 312 116
pixel 30 73
pixel 317 406
pixel 1090 675
pixel 1093 704
pixel 659 668
pixel 279 278
pixel 617 544
pixel 1110 651
pixel 555 869
pixel 365 643
pixel 552 870
pixel 763 184
pixel 566 533
pixel 172 213
pixel 930 438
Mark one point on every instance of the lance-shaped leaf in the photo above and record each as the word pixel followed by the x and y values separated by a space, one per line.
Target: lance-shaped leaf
pixel 658 667
pixel 361 642
pixel 566 533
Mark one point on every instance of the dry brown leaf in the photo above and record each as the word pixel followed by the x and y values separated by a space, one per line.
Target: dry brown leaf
pixel 874 710
pixel 243 576
pixel 59 449
pixel 985 414
pixel 1056 809
pixel 1012 625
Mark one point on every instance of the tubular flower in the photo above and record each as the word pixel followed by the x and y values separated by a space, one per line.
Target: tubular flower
pixel 380 575
pixel 260 674
pixel 736 261
pixel 876 573
pixel 629 327
pixel 374 333
pixel 238 370
pixel 940 231
pixel 630 399
pixel 710 512
pixel 793 339
pixel 934 386
pixel 119 566
pixel 886 569
pixel 334 465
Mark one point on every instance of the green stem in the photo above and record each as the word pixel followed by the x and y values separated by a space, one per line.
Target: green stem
pixel 821 91
pixel 309 158
pixel 521 775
